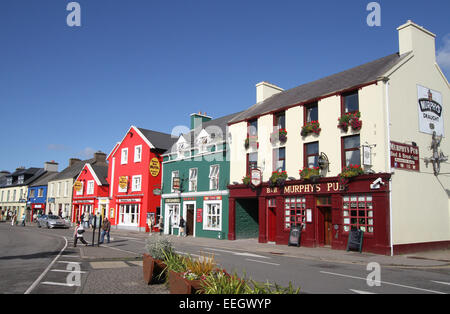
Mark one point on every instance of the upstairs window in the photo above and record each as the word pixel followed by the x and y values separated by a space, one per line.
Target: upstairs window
pixel 41 192
pixel 350 102
pixel 136 183
pixel 279 121
pixel 9 181
pixel 214 177
pixel 20 180
pixel 32 193
pixel 252 162
pixel 193 179
pixel 351 154
pixel 311 154
pixel 175 181
pixel 252 128
pixel 311 113
pixel 279 158
pixel 90 187
pixel 124 157
pixel 138 153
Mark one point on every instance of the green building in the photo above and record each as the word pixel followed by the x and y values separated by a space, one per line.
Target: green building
pixel 195 177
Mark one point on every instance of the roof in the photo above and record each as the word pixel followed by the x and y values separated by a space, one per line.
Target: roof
pixel 30 176
pixel 357 76
pixel 44 179
pixel 159 140
pixel 73 171
pixel 102 173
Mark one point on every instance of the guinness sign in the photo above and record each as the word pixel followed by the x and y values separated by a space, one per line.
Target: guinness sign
pixel 430 111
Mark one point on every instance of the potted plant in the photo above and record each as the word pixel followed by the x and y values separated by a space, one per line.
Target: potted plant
pixel 153 262
pixel 278 178
pixel 311 127
pixel 307 173
pixel 349 172
pixel 246 180
pixel 350 120
pixel 282 135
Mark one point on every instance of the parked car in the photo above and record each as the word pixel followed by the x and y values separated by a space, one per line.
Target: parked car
pixel 51 221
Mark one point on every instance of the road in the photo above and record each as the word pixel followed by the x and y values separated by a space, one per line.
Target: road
pixel 36 260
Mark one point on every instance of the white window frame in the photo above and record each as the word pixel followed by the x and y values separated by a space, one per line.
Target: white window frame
pixel 51 190
pixel 138 156
pixel 214 177
pixel 175 209
pixel 58 189
pixel 171 181
pixel 124 156
pixel 90 187
pixel 135 187
pixel 193 179
pixel 124 217
pixel 66 189
pixel 206 207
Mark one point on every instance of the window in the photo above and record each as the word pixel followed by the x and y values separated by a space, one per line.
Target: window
pixel 51 190
pixel 294 212
pixel 174 214
pixel 32 193
pixel 136 183
pixel 279 159
pixel 279 121
pixel 20 179
pixel 137 153
pixel 58 189
pixel 193 179
pixel 214 177
pixel 66 189
pixel 350 102
pixel 358 212
pixel 351 152
pixel 252 162
pixel 90 187
pixel 9 181
pixel 252 128
pixel 212 216
pixel 124 157
pixel 129 214
pixel 175 183
pixel 80 191
pixel 311 155
pixel 41 192
pixel 14 195
pixel 311 113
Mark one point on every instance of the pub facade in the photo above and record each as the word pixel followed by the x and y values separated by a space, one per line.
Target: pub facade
pixel 349 151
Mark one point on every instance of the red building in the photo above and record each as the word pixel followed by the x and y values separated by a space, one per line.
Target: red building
pixel 135 178
pixel 90 191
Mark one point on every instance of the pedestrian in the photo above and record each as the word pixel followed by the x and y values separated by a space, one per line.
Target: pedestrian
pixel 78 235
pixel 106 228
pixel 23 219
pixel 161 226
pixel 13 219
pixel 182 226
pixel 86 220
pixel 150 224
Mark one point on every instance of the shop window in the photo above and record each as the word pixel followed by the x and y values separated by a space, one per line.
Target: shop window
pixel 350 102
pixel 294 212
pixel 311 153
pixel 214 177
pixel 252 162
pixel 174 214
pixel 129 214
pixel 311 113
pixel 357 212
pixel 193 179
pixel 351 154
pixel 279 159
pixel 211 219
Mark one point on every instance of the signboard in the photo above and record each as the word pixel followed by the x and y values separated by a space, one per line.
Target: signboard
pixel 172 200
pixel 123 182
pixel 154 167
pixel 199 215
pixel 367 155
pixel 430 111
pixel 176 183
pixel 404 156
pixel 355 240
pixel 295 235
pixel 212 198
pixel 78 186
pixel 156 191
pixel 256 177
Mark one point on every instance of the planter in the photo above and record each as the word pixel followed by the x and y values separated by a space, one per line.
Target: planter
pixel 152 269
pixel 180 285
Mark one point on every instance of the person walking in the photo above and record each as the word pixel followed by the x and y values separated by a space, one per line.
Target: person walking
pixel 13 219
pixel 182 226
pixel 78 235
pixel 23 219
pixel 106 228
pixel 161 226
pixel 86 220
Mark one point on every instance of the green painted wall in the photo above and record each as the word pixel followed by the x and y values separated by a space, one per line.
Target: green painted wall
pixel 247 225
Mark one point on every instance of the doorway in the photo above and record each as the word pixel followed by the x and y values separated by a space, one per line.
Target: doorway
pixel 327 225
pixel 271 220
pixel 189 210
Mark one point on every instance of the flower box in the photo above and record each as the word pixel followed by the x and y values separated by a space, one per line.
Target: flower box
pixel 307 173
pixel 180 285
pixel 312 127
pixel 347 173
pixel 350 120
pixel 278 178
pixel 153 269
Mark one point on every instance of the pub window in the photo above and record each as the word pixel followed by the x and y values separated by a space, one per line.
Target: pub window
pixel 294 212
pixel 357 212
pixel 212 216
pixel 350 102
pixel 311 155
pixel 252 162
pixel 279 121
pixel 311 113
pixel 279 157
pixel 351 152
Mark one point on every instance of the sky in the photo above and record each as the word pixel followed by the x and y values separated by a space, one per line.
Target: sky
pixel 67 92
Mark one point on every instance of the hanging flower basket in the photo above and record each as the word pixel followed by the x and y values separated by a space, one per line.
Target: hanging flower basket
pixel 350 120
pixel 312 127
pixel 278 178
pixel 307 173
pixel 282 135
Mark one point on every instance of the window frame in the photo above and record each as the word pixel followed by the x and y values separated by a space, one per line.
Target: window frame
pixel 134 187
pixel 249 169
pixel 124 161
pixel 140 153
pixel 368 210
pixel 206 206
pixel 276 158
pixel 276 120
pixel 305 154
pixel 343 96
pixel 193 181
pixel 89 187
pixel 299 217
pixel 344 150
pixel 214 177
pixel 171 181
pixel 305 112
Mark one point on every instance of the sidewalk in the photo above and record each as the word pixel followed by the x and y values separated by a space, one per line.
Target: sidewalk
pixel 438 258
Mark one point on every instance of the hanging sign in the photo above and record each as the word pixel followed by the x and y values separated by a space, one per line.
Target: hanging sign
pixel 78 186
pixel 123 182
pixel 199 215
pixel 154 167
pixel 430 111
pixel 404 156
pixel 256 177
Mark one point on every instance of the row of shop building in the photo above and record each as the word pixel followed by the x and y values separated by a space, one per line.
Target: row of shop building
pixel 361 149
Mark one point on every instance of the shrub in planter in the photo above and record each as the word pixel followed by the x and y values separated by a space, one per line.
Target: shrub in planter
pixel 307 173
pixel 153 265
pixel 312 127
pixel 278 178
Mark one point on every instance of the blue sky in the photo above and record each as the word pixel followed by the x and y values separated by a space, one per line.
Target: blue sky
pixel 69 91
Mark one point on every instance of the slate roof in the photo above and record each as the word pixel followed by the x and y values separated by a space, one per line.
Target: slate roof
pixel 30 176
pixel 74 170
pixel 44 179
pixel 102 173
pixel 161 141
pixel 329 85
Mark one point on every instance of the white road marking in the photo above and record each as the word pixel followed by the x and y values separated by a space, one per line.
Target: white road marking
pixel 36 282
pixel 67 262
pixel 239 253
pixel 254 260
pixel 361 292
pixel 441 282
pixel 57 284
pixel 384 282
pixel 68 271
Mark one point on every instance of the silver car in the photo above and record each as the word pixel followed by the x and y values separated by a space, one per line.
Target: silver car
pixel 51 221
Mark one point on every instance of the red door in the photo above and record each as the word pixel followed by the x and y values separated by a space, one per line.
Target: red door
pixel 271 223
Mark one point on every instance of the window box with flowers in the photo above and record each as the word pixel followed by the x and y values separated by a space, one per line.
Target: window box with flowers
pixel 278 178
pixel 307 173
pixel 280 135
pixel 349 172
pixel 312 127
pixel 352 120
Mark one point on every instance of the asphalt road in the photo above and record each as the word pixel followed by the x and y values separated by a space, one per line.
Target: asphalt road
pixel 31 257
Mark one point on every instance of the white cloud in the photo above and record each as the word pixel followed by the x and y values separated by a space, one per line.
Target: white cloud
pixel 87 153
pixel 443 54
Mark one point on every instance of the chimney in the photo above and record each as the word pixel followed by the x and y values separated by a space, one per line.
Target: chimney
pixel 20 168
pixel 197 119
pixel 265 89
pixel 4 173
pixel 100 157
pixel 51 166
pixel 417 39
pixel 73 161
